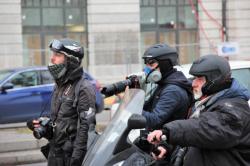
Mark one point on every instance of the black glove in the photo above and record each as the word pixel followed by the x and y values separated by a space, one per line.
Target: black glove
pixel 166 146
pixel 134 81
pixel 142 143
pixel 169 150
pixel 30 125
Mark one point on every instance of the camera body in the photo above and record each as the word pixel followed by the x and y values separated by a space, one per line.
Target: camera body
pixel 45 128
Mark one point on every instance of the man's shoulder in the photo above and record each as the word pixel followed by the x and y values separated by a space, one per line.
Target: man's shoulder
pixel 173 88
pixel 234 101
pixel 84 83
pixel 233 104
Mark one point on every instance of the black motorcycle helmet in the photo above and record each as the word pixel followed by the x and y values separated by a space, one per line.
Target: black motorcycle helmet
pixel 166 56
pixel 68 47
pixel 217 71
pixel 161 52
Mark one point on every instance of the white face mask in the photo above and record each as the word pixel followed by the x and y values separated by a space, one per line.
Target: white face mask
pixel 152 75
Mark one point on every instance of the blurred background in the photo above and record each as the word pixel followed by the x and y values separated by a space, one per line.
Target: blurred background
pixel 115 33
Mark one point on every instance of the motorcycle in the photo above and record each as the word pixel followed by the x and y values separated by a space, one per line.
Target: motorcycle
pixel 115 145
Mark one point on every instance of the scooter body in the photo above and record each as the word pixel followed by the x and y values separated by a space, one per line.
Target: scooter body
pixel 113 146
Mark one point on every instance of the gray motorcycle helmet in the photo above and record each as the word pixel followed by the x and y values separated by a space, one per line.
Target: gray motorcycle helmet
pixel 217 71
pixel 73 52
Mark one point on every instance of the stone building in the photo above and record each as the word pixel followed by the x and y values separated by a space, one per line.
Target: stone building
pixel 116 32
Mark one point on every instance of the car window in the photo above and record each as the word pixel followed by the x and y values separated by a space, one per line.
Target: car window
pixel 242 75
pixel 24 79
pixel 4 74
pixel 46 77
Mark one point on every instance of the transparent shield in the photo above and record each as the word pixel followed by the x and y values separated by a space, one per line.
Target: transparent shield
pixel 132 103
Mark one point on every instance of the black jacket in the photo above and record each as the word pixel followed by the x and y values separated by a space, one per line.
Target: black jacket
pixel 169 102
pixel 71 132
pixel 220 135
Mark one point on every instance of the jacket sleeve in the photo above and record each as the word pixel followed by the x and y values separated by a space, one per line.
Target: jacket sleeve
pixel 221 128
pixel 86 101
pixel 171 99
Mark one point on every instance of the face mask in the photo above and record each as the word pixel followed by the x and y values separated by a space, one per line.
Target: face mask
pixel 57 70
pixel 152 75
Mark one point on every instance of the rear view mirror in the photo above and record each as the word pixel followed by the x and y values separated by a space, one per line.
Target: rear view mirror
pixel 136 121
pixel 7 86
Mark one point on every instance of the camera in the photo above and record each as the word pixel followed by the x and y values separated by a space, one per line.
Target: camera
pixel 45 128
pixel 135 80
pixel 116 88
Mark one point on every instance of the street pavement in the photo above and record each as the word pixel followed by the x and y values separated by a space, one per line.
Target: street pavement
pixel 19 147
pixel 35 164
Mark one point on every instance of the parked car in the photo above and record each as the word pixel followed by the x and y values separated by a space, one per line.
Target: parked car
pixel 26 92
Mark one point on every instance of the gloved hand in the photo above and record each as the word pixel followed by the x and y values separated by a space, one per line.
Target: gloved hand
pixel 134 81
pixel 155 137
pixel 159 153
pixel 159 138
pixel 32 124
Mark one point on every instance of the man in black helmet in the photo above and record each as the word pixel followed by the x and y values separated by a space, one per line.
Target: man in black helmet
pixel 172 97
pixel 218 131
pixel 69 109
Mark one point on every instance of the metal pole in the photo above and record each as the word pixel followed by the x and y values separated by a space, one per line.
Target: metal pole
pixel 224 19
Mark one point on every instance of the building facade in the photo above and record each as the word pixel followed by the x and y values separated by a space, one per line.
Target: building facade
pixel 11 44
pixel 115 33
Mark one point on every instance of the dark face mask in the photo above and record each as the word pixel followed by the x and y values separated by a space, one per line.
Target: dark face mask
pixel 57 70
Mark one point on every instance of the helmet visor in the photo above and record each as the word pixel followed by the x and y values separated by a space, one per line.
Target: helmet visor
pixel 56 45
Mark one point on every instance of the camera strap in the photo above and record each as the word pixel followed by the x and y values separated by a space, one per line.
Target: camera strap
pixel 57 110
pixel 77 91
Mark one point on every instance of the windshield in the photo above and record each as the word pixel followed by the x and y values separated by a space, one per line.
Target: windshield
pixel 132 103
pixel 242 76
pixel 4 74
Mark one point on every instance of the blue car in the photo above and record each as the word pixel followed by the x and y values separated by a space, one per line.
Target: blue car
pixel 26 92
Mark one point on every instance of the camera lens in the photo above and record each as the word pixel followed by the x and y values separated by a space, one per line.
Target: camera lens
pixel 116 88
pixel 39 132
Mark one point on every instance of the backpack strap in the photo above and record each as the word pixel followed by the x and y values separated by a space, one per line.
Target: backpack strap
pixel 77 91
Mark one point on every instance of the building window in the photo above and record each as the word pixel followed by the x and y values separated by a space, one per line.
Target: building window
pixel 171 22
pixel 44 20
